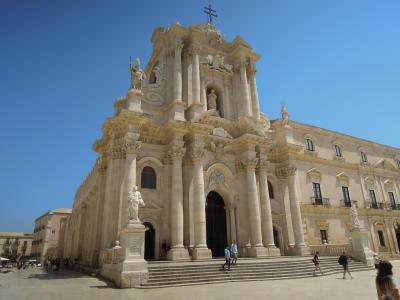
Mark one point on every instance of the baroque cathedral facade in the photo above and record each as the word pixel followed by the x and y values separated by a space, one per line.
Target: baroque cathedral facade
pixel 213 169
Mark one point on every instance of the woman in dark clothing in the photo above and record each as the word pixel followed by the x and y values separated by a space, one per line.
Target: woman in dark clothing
pixel 386 285
pixel 343 260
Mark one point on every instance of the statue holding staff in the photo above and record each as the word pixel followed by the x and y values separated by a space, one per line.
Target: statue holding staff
pixel 134 201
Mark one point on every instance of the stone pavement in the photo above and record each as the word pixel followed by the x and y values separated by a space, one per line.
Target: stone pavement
pixel 35 284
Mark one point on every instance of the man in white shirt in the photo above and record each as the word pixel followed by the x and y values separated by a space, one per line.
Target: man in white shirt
pixel 234 253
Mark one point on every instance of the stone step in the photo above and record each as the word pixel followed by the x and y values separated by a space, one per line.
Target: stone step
pixel 233 271
pixel 190 273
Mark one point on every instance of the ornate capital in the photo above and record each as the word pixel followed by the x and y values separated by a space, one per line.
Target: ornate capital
pixel 117 152
pixel 175 153
pixel 195 47
pixel 263 164
pixel 133 147
pixel 178 45
pixel 196 153
pixel 285 172
pixel 248 163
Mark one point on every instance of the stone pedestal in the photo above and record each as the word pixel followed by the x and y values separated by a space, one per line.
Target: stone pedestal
pixel 178 254
pixel 360 244
pixel 257 252
pixel 273 251
pixel 299 250
pixel 201 253
pixel 126 266
pixel 176 111
pixel 195 111
pixel 134 100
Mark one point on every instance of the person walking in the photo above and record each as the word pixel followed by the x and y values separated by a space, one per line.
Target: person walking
pixel 234 252
pixel 376 260
pixel 344 262
pixel 386 285
pixel 227 253
pixel 316 264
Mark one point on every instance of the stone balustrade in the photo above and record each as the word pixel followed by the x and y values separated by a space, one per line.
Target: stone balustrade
pixel 331 249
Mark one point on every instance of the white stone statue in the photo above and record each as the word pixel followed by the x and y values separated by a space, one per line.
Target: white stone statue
pixel 212 100
pixel 135 200
pixel 285 116
pixel 354 217
pixel 137 75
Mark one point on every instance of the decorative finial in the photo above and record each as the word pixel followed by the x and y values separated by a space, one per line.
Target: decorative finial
pixel 210 13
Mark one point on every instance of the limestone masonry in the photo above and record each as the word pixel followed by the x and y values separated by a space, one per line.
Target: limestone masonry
pixel 212 169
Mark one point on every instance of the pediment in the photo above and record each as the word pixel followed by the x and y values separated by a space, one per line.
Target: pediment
pixel 314 173
pixel 151 205
pixel 342 177
pixel 385 164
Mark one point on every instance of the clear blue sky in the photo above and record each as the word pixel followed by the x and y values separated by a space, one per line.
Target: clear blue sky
pixel 336 64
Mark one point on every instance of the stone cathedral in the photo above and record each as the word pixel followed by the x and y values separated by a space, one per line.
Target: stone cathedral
pixel 212 169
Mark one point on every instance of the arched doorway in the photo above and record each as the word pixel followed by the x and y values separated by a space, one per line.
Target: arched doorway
pixel 149 241
pixel 276 238
pixel 216 224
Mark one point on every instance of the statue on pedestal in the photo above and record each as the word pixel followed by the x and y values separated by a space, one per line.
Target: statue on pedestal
pixel 137 74
pixel 354 217
pixel 212 100
pixel 135 200
pixel 285 116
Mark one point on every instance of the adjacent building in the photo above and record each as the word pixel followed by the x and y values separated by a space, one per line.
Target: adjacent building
pixel 213 169
pixel 46 233
pixel 15 245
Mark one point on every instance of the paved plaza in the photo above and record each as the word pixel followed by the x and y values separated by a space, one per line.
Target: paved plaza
pixel 36 284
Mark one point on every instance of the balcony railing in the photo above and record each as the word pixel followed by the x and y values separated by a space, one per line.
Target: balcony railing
pixel 320 201
pixel 375 205
pixel 394 206
pixel 346 202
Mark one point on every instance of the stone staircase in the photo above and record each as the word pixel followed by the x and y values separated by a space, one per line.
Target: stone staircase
pixel 164 274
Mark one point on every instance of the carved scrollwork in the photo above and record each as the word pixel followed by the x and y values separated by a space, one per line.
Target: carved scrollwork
pixel 133 147
pixel 248 163
pixel 175 153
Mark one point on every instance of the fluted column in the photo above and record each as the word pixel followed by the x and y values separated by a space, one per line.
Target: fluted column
pixel 177 250
pixel 178 71
pixel 200 231
pixel 129 181
pixel 254 93
pixel 257 249
pixel 266 212
pixel 195 73
pixel 295 208
pixel 233 222
pixel 227 101
pixel 245 87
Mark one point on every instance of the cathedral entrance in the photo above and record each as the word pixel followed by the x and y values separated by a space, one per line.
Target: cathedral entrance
pixel 149 241
pixel 216 224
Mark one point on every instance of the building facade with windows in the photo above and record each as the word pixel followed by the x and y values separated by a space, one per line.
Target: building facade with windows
pixel 46 233
pixel 15 245
pixel 213 169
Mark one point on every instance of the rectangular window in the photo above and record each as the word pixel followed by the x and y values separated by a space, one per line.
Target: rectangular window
pixel 346 196
pixel 392 200
pixel 374 204
pixel 317 193
pixel 364 157
pixel 338 151
pixel 324 236
pixel 310 145
pixel 381 238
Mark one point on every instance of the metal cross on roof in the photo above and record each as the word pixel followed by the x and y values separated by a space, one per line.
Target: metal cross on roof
pixel 210 13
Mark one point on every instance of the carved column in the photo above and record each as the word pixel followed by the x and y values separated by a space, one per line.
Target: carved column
pixel 200 232
pixel 257 248
pixel 300 246
pixel 245 87
pixel 196 73
pixel 129 181
pixel 227 100
pixel 266 212
pixel 177 250
pixel 233 222
pixel 178 71
pixel 254 92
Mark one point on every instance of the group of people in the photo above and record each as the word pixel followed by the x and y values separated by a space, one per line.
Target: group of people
pixel 231 255
pixel 386 284
pixel 343 261
pixel 57 264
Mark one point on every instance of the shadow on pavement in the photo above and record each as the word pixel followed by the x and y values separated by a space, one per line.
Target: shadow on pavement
pixel 56 275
